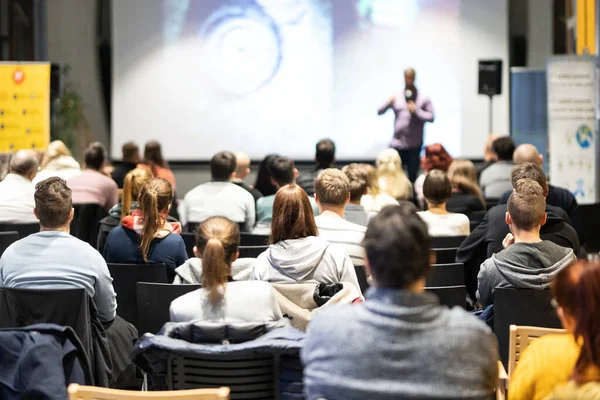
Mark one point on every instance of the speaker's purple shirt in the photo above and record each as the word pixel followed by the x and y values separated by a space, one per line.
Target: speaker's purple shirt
pixel 408 128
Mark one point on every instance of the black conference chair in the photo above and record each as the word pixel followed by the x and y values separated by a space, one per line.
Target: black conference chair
pixel 86 220
pixel 191 227
pixel 125 278
pixel 445 242
pixel 361 275
pixel 153 302
pixel 521 307
pixel 251 251
pixel 492 202
pixel 450 296
pixel 190 241
pixel 6 239
pixel 442 275
pixel 445 255
pixel 250 239
pixel 587 216
pixel 23 230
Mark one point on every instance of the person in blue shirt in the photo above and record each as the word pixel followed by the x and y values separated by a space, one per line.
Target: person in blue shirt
pixel 145 236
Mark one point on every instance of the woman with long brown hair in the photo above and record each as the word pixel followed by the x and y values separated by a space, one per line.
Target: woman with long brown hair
pixel 146 236
pixel 221 298
pixel 155 162
pixel 296 254
pixel 466 194
pixel 554 360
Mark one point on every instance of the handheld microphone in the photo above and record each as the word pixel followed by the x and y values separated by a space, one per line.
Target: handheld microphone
pixel 408 94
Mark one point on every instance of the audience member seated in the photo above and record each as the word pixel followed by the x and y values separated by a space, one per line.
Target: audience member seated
pixel 489 157
pixel 263 182
pixel 296 253
pixel 400 343
pixel 557 196
pixel 375 199
pixel 325 158
pixel 155 162
pixel 332 194
pixel 146 236
pixel 242 170
pixel 392 179
pixel 16 190
pixel 436 157
pixel 358 177
pixel 527 261
pixel 130 158
pixel 437 190
pixel 133 183
pixel 221 298
pixel 495 179
pixel 549 362
pixel 53 259
pixel 486 239
pixel 57 162
pixel 190 272
pixel 219 197
pixel 283 172
pixel 92 186
pixel 466 195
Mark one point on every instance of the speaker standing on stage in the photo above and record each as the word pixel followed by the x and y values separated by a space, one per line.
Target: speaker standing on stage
pixel 412 110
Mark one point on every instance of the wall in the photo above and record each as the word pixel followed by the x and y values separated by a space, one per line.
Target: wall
pixel 71 27
pixel 539 32
pixel 484 34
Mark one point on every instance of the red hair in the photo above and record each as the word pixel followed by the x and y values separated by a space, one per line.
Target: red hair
pixel 436 157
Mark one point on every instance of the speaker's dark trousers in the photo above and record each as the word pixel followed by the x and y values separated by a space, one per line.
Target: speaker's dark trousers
pixel 411 160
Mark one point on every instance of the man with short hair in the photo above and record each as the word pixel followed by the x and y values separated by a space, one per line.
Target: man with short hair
pixel 242 170
pixel 92 186
pixel 332 194
pixel 399 343
pixel 494 180
pixel 325 157
pixel 557 196
pixel 357 176
pixel 219 197
pixel 16 190
pixel 527 261
pixel 129 160
pixel 53 259
pixel 486 239
pixel 283 172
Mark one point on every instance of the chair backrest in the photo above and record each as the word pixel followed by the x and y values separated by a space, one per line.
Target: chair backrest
pixel 77 392
pixel 125 278
pixel 520 337
pixel 251 251
pixel 361 276
pixel 23 230
pixel 492 202
pixel 191 227
pixel 253 376
pixel 446 255
pixel 450 296
pixel 528 307
pixel 588 215
pixel 250 239
pixel 153 302
pixel 445 242
pixel 6 239
pixel 446 275
pixel 86 219
pixel 190 241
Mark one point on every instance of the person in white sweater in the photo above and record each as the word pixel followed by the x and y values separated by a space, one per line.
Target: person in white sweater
pixel 221 299
pixel 296 253
pixel 437 189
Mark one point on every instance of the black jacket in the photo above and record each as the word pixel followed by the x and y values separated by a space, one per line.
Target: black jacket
pixel 486 239
pixel 464 203
pixel 120 171
pixel 40 361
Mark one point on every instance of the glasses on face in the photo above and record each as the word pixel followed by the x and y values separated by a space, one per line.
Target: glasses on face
pixel 554 303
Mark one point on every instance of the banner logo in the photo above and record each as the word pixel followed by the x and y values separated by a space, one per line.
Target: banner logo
pixel 584 136
pixel 18 76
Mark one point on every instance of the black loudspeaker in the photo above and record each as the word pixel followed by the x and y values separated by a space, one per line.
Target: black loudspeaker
pixel 490 77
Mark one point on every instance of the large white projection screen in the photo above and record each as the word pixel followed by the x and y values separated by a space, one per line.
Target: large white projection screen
pixel 265 76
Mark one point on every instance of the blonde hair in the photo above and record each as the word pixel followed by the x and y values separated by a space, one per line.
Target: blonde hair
pixel 55 150
pixel 218 239
pixel 156 195
pixel 463 176
pixel 372 180
pixel 392 179
pixel 132 186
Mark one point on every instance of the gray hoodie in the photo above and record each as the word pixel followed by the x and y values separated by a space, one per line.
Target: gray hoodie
pixel 191 271
pixel 308 260
pixel 522 266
